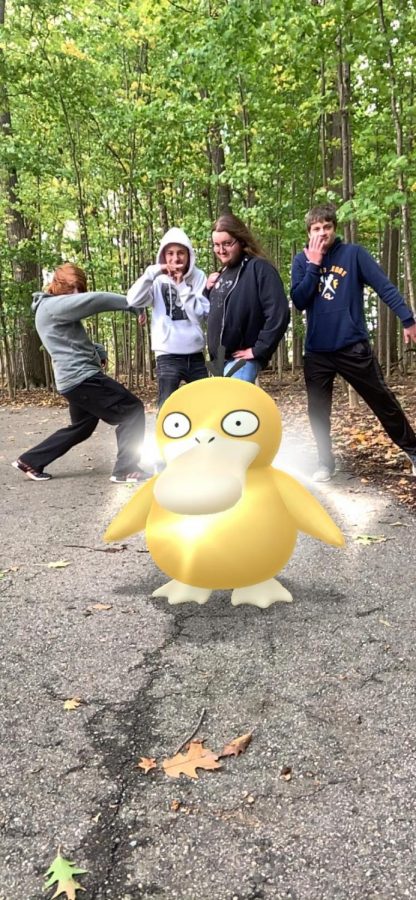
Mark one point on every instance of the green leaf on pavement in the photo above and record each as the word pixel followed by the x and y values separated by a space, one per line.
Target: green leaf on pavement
pixel 63 871
pixel 59 564
pixel 370 539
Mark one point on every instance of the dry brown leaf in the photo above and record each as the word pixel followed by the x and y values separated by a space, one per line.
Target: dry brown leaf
pixel 147 763
pixel 197 757
pixel 175 805
pixel 100 606
pixel 73 703
pixel 237 745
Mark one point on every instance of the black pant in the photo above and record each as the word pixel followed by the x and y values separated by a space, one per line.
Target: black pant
pixel 358 365
pixel 173 368
pixel 99 397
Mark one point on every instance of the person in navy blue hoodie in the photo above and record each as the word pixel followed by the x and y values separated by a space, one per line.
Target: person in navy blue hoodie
pixel 328 279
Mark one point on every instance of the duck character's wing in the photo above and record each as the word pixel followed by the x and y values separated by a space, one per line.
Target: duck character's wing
pixel 306 511
pixel 132 518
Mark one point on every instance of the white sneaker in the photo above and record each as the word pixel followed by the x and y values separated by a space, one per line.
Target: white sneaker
pixel 412 457
pixel 324 473
pixel 131 478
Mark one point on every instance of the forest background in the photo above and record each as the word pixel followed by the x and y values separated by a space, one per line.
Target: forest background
pixel 119 119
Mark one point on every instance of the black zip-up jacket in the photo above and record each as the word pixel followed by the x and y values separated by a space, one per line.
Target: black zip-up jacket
pixel 256 312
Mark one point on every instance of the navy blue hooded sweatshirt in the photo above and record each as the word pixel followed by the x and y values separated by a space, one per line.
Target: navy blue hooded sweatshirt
pixel 332 295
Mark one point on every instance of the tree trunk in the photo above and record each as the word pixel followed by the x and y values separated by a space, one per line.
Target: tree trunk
pixel 21 242
pixel 216 152
pixel 401 180
pixel 344 96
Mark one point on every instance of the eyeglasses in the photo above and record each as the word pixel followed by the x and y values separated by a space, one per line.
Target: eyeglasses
pixel 226 245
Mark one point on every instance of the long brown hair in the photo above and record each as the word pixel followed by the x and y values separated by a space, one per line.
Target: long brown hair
pixel 239 231
pixel 66 278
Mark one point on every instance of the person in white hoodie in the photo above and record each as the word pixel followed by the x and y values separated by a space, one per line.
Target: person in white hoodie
pixel 174 289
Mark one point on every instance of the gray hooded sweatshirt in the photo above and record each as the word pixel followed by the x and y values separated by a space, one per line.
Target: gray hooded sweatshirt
pixel 178 310
pixel 58 323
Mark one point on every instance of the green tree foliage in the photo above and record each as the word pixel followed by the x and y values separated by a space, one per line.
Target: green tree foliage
pixel 129 117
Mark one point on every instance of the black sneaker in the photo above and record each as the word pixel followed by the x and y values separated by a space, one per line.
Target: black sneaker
pixel 30 472
pixel 138 477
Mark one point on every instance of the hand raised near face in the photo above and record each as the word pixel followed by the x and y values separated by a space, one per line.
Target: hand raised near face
pixel 174 270
pixel 315 250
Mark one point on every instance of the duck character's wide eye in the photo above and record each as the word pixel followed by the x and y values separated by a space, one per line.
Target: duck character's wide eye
pixel 176 425
pixel 240 423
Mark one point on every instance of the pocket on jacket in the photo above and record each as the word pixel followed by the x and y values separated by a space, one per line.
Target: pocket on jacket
pixel 361 348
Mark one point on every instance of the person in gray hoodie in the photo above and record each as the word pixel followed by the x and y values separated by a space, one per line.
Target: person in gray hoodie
pixel 79 377
pixel 174 289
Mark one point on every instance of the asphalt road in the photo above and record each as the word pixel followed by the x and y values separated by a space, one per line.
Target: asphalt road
pixel 327 683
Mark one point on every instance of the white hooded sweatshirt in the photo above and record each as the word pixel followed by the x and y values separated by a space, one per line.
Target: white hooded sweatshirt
pixel 178 309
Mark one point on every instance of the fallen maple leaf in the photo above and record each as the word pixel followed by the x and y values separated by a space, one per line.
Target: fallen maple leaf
pixel 59 564
pixel 73 703
pixel 197 757
pixel 237 746
pixel 100 606
pixel 62 871
pixel 147 763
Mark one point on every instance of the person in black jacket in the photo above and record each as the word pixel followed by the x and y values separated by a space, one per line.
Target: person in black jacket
pixel 249 311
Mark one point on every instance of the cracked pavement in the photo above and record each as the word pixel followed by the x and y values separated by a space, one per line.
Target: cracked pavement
pixel 327 683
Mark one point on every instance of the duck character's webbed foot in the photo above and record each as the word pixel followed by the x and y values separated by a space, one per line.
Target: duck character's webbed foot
pixel 263 594
pixel 177 592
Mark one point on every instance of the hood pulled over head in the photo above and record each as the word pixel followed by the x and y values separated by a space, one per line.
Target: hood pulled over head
pixel 176 236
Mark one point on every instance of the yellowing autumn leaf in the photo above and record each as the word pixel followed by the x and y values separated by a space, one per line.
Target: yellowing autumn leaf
pixel 370 539
pixel 69 48
pixel 73 703
pixel 62 871
pixel 10 569
pixel 59 564
pixel 197 757
pixel 147 763
pixel 237 746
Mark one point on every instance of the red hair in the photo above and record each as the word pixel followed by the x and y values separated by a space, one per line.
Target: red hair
pixel 66 279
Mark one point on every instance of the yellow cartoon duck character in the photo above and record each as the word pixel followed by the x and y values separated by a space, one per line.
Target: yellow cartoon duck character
pixel 220 516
